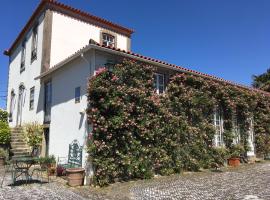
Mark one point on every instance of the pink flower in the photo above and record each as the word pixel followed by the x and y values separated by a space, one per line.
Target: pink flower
pixel 114 78
pixel 100 70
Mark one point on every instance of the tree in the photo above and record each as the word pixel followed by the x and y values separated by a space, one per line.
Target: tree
pixel 262 81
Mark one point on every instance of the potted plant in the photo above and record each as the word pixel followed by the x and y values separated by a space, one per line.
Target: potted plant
pixel 234 155
pixel 48 163
pixel 75 176
pixel 3 155
pixel 34 135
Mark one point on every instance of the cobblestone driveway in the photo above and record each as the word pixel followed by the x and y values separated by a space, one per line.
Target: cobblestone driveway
pixel 250 182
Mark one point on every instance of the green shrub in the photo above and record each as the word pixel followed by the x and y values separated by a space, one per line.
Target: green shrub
pixel 34 134
pixel 3 115
pixel 236 150
pixel 3 153
pixel 137 133
pixel 4 133
pixel 47 160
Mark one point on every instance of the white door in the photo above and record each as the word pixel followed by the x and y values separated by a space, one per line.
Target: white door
pixel 20 105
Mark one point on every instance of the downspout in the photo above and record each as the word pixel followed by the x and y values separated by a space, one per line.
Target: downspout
pixel 88 165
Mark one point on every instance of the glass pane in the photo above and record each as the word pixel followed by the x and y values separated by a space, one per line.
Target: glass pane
pixel 161 79
pixel 161 88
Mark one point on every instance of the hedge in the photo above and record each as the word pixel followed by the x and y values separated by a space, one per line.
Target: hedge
pixel 138 133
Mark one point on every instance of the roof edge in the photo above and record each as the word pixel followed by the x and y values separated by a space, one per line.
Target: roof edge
pixel 147 60
pixel 54 5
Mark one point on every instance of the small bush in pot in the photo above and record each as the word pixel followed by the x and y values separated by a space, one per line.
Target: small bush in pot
pixel 234 154
pixel 34 135
pixel 48 163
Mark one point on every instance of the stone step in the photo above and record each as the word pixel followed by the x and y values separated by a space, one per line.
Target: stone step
pixel 18 146
pixel 16 131
pixel 18 151
pixel 18 140
pixel 17 137
pixel 20 154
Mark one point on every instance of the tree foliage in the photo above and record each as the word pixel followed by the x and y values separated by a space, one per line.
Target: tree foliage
pixel 262 81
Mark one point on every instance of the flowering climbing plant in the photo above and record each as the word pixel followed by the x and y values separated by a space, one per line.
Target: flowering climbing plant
pixel 138 133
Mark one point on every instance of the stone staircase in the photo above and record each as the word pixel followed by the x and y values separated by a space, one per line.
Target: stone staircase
pixel 19 146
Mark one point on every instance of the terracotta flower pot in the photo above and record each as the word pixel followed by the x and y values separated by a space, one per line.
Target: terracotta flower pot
pixel 234 162
pixel 75 176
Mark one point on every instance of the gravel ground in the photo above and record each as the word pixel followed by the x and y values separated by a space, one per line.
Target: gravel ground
pixel 248 182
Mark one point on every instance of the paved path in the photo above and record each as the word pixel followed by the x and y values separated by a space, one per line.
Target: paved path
pixel 250 182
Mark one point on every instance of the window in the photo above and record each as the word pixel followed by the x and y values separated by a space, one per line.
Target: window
pixel 23 56
pixel 218 123
pixel 77 94
pixel 31 99
pixel 108 40
pixel 11 106
pixel 34 44
pixel 159 83
pixel 236 129
pixel 47 101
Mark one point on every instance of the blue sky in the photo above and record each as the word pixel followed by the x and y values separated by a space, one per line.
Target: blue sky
pixel 225 38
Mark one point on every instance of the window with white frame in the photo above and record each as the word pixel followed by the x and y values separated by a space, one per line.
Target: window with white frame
pixel 108 40
pixel 236 129
pixel 159 83
pixel 218 123
pixel 34 43
pixel 31 99
pixel 11 106
pixel 23 51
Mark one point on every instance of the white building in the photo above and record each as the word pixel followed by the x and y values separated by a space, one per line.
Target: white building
pixel 50 63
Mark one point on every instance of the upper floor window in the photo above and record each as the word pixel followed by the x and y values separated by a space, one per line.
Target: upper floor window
pixel 77 94
pixel 11 105
pixel 34 43
pixel 218 123
pixel 23 51
pixel 31 99
pixel 159 83
pixel 108 40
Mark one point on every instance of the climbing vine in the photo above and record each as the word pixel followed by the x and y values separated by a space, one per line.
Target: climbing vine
pixel 138 133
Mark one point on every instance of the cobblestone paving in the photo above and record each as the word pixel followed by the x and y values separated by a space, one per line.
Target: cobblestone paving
pixel 248 183
pixel 35 191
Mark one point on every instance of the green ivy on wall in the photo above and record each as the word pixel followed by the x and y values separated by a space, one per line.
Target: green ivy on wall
pixel 138 133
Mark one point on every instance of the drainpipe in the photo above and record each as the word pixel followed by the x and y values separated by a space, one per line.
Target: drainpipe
pixel 88 166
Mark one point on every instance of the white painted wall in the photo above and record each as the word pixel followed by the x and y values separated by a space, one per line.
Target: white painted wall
pixel 32 70
pixel 70 34
pixel 67 123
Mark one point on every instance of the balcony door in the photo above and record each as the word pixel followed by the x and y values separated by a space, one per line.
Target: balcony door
pixel 20 105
